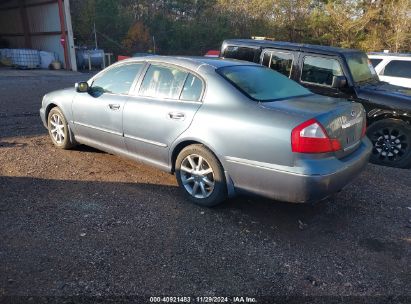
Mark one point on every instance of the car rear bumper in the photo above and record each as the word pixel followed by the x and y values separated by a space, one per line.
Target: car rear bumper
pixel 309 181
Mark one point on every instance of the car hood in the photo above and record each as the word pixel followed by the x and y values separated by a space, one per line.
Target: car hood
pixel 386 95
pixel 67 92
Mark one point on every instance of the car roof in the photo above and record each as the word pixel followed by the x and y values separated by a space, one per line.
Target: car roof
pixel 392 55
pixel 190 62
pixel 290 46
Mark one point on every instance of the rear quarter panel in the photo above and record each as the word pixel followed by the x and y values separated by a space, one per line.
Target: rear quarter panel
pixel 233 126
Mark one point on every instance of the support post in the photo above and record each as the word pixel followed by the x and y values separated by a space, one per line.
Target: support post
pixel 25 21
pixel 70 39
pixel 63 35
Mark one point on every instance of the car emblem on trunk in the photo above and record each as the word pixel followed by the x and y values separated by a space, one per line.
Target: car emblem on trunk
pixel 352 113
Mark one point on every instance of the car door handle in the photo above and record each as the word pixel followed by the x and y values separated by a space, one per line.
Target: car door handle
pixel 114 107
pixel 176 115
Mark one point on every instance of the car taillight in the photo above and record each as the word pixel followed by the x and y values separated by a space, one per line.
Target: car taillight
pixel 311 137
pixel 364 128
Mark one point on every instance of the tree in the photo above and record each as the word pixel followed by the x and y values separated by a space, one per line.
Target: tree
pixel 398 15
pixel 137 38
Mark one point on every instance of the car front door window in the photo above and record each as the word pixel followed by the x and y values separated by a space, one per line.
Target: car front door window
pixel 117 80
pixel 320 71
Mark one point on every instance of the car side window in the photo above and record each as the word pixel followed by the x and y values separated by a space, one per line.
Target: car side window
pixel 375 61
pixel 117 80
pixel 281 62
pixel 163 82
pixel 319 70
pixel 242 53
pixel 193 87
pixel 398 68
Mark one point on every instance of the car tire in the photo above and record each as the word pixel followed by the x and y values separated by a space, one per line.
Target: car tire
pixel 201 176
pixel 58 129
pixel 391 139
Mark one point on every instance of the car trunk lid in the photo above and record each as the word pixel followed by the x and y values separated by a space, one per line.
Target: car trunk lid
pixel 342 119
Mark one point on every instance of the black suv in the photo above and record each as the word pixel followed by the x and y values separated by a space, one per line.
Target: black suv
pixel 344 73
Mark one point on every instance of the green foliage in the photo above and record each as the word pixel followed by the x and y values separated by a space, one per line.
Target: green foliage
pixel 194 26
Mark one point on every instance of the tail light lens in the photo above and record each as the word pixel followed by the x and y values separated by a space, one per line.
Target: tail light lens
pixel 364 128
pixel 311 137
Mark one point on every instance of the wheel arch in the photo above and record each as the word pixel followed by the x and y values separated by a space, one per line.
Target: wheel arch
pixel 53 105
pixel 179 146
pixel 50 106
pixel 378 114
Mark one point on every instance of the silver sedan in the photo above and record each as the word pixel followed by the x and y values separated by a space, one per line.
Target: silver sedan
pixel 222 126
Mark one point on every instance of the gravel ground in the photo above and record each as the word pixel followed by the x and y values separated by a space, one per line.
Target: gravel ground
pixel 87 223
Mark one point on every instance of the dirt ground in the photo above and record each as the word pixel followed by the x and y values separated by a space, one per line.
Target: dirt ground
pixel 87 223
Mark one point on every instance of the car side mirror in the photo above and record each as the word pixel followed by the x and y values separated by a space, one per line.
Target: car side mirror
pixel 339 82
pixel 81 87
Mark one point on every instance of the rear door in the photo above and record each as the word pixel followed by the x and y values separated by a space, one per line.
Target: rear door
pixel 159 110
pixel 98 113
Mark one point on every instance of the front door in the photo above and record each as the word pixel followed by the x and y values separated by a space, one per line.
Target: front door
pixel 317 75
pixel 98 113
pixel 161 109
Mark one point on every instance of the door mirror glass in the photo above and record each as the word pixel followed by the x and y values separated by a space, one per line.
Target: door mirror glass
pixel 81 87
pixel 339 82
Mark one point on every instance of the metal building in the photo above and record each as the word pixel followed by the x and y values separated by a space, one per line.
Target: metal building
pixel 39 24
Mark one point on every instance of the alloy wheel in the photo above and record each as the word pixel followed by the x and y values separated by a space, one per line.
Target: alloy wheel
pixel 390 144
pixel 57 128
pixel 197 176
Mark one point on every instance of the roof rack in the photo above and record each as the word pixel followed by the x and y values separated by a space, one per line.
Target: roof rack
pixel 390 54
pixel 262 38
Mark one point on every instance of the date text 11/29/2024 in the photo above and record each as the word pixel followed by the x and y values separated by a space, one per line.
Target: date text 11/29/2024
pixel 208 299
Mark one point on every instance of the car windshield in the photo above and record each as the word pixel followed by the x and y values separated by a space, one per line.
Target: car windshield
pixel 361 68
pixel 262 84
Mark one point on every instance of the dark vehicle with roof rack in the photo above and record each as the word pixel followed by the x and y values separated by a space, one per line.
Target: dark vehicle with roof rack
pixel 344 73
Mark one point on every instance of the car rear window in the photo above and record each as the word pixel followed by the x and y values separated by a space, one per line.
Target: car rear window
pixel 261 83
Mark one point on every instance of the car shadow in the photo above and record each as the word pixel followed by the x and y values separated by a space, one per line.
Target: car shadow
pixel 256 214
pixel 57 234
pixel 10 144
